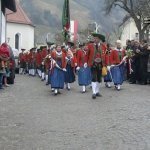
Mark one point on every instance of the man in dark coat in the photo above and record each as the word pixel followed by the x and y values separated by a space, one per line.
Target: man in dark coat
pixel 135 64
pixel 144 56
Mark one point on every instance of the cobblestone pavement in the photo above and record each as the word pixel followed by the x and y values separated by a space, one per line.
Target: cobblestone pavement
pixel 31 118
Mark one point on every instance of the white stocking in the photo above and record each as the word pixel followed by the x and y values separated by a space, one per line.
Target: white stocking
pixel 94 87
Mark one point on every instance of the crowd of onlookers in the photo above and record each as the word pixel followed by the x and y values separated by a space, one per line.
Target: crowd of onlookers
pixel 139 62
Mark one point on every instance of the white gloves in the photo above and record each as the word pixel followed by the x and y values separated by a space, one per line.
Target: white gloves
pixel 124 58
pixel 66 58
pixel 78 68
pixel 112 65
pixel 85 65
pixel 64 69
pixel 108 68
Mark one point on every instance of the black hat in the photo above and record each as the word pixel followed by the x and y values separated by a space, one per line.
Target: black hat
pixel 38 49
pixel 50 43
pixel 100 36
pixel 63 46
pixel 42 47
pixel 32 49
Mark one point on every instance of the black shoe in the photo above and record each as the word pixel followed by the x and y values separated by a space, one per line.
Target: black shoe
pixel 59 92
pixel 94 96
pixel 68 89
pixel 55 94
pixel 132 82
pixel 143 83
pixel 98 95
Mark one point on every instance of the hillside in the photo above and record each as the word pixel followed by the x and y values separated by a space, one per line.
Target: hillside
pixel 46 15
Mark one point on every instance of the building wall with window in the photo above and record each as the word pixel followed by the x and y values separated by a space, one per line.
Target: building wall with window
pixel 2 25
pixel 20 36
pixel 0 18
pixel 11 6
pixel 129 31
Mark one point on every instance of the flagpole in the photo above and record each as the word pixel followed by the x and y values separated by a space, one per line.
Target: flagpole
pixel 66 21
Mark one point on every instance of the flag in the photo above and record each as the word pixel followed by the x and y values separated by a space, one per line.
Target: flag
pixel 66 15
pixel 66 20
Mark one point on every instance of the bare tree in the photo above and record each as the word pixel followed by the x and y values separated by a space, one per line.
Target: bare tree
pixel 137 9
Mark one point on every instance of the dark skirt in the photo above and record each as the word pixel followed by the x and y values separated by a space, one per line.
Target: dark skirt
pixel 57 78
pixel 117 73
pixel 49 77
pixel 69 75
pixel 84 76
pixel 108 78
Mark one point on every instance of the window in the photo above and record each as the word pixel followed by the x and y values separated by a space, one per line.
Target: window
pixel 17 41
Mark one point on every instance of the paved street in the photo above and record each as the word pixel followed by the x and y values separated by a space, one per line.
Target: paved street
pixel 31 118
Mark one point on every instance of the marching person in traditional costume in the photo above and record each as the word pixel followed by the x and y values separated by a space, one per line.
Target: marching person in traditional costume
pixel 96 58
pixel 43 54
pixel 58 69
pixel 38 63
pixel 84 71
pixel 22 62
pixel 117 70
pixel 70 66
pixel 27 62
pixel 32 62
pixel 108 63
pixel 47 62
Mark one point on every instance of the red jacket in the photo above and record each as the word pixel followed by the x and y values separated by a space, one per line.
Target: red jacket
pixel 44 53
pixel 62 57
pixel 117 56
pixel 82 58
pixel 108 58
pixel 27 57
pixel 31 57
pixel 38 59
pixel 92 55
pixel 22 57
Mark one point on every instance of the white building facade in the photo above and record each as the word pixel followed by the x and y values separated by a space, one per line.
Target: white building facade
pixel 20 36
pixel 11 5
pixel 129 31
pixel 20 30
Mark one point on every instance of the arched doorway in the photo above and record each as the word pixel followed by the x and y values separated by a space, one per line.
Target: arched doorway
pixel 17 41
